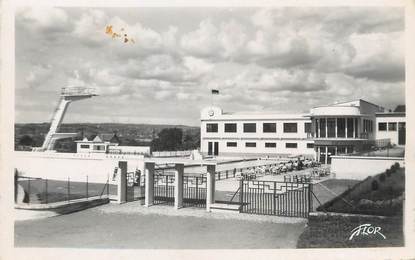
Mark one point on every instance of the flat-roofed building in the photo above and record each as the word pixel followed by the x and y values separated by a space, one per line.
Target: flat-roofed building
pixel 391 126
pixel 250 134
pixel 339 128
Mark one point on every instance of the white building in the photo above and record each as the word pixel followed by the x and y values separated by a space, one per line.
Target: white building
pixel 391 126
pixel 252 135
pixel 105 143
pixel 340 128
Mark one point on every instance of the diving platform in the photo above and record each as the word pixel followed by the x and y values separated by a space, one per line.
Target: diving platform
pixel 68 94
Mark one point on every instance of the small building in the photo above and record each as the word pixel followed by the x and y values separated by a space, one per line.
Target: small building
pixel 97 144
pixel 109 143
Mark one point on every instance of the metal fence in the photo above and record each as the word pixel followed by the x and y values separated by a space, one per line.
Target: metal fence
pixel 44 191
pixel 275 198
pixel 163 189
pixel 194 191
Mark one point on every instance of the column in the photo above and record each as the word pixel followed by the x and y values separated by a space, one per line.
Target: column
pixel 325 158
pixel 122 182
pixel 210 185
pixel 178 185
pixel 149 189
pixel 327 134
pixel 335 127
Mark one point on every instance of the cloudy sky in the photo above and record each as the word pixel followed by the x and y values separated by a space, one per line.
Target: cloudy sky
pixel 280 59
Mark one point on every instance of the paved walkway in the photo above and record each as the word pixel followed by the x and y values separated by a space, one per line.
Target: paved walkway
pixel 133 226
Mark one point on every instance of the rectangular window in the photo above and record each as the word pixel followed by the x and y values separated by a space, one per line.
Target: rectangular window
pixel 350 128
pixel 323 127
pixel 356 128
pixel 250 144
pixel 290 127
pixel 290 145
pixel 230 128
pixel 331 127
pixel 307 127
pixel 270 145
pixel 391 126
pixel 249 128
pixel 316 124
pixel 382 126
pixel 310 145
pixel 231 144
pixel 341 127
pixel 99 147
pixel 212 128
pixel 85 146
pixel 269 127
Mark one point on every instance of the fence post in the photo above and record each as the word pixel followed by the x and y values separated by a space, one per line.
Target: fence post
pixel 87 187
pixel 28 191
pixel 226 174
pixel 108 186
pixel 68 192
pixel 310 198
pixel 275 198
pixel 241 195
pixel 46 182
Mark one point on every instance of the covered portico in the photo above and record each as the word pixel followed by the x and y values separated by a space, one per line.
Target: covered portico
pixel 179 180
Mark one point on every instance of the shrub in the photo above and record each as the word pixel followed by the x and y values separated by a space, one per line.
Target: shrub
pixel 388 172
pixel 393 168
pixel 382 177
pixel 397 166
pixel 375 185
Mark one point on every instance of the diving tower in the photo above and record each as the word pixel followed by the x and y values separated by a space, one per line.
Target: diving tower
pixel 68 95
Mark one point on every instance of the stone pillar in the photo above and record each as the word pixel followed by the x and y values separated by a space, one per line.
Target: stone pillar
pixel 149 192
pixel 122 182
pixel 210 185
pixel 178 185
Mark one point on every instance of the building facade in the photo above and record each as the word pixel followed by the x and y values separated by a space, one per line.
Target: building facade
pixel 249 135
pixel 340 128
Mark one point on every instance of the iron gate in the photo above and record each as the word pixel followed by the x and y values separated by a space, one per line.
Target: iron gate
pixel 292 199
pixel 163 189
pixel 135 186
pixel 194 191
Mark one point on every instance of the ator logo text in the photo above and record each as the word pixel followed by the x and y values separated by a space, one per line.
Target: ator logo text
pixel 366 230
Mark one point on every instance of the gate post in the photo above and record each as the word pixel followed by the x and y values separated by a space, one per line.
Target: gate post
pixel 122 183
pixel 149 188
pixel 210 183
pixel 178 185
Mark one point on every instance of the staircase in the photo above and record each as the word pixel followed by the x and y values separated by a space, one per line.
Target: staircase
pixel 225 207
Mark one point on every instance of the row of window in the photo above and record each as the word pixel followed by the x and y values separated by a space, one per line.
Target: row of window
pixel 338 127
pixel 268 145
pixel 252 128
pixel 391 126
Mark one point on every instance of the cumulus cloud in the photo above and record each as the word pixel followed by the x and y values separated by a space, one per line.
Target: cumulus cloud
pixel 284 59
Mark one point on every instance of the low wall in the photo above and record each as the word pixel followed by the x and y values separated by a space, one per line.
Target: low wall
pixel 60 166
pixel 360 167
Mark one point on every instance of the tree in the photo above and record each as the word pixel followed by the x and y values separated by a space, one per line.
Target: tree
pixel 169 139
pixel 26 140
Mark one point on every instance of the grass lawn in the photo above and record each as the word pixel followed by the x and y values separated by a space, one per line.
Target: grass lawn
pixel 334 232
pixel 336 186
